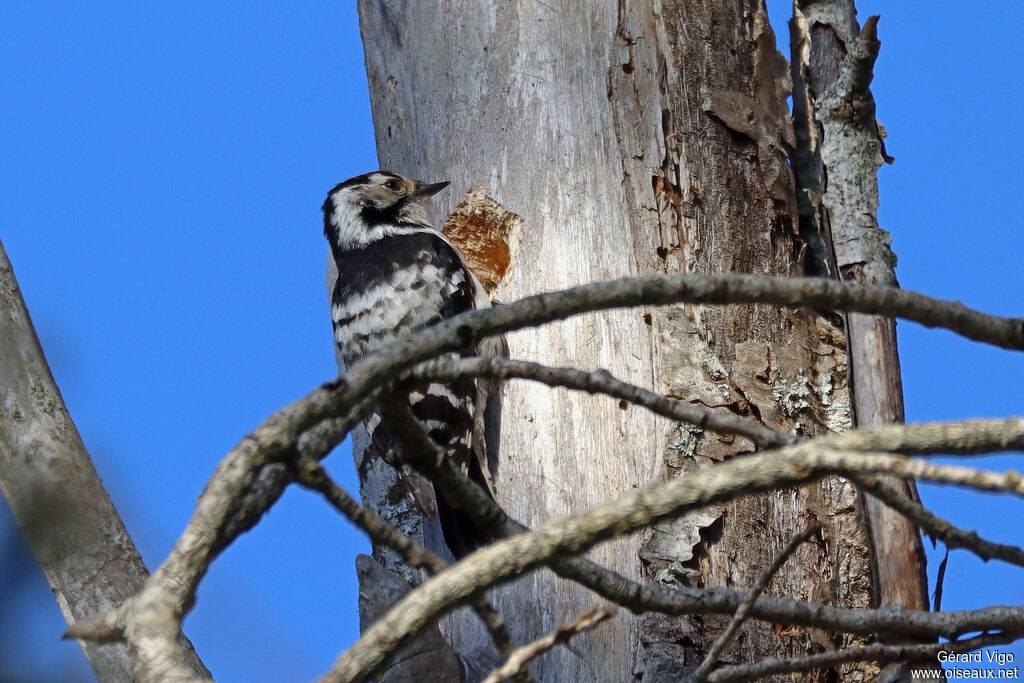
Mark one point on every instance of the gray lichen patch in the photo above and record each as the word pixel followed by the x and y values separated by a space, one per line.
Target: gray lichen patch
pixel 835 400
pixel 830 376
pixel 681 450
pixel 793 394
pixel 692 370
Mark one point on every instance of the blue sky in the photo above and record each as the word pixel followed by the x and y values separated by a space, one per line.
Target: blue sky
pixel 160 185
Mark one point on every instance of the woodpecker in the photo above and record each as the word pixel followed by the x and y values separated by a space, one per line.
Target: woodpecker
pixel 396 275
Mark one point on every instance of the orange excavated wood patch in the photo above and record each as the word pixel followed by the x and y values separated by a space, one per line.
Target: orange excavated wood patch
pixel 486 233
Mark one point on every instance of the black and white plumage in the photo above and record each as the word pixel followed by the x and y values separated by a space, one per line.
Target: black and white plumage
pixel 398 274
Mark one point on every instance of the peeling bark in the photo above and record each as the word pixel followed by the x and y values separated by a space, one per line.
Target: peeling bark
pixel 633 137
pixel 840 153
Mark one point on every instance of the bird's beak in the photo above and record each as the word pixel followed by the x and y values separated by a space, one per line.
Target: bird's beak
pixel 431 190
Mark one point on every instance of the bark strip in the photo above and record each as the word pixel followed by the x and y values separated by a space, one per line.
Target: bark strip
pixel 836 168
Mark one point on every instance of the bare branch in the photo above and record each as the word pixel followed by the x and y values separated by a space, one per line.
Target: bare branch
pixel 55 495
pixel 906 439
pixel 723 288
pixel 370 377
pixel 877 653
pixel 720 482
pixel 155 617
pixel 963 437
pixel 602 382
pixel 584 621
pixel 752 595
pixel 107 628
pixel 310 474
pixel 937 527
pixel 638 597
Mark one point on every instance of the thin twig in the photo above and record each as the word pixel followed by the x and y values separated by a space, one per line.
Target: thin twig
pixel 720 482
pixel 153 622
pixel 868 653
pixel 498 630
pixel 753 594
pixel 312 475
pixel 940 580
pixel 516 662
pixel 601 381
pixel 937 527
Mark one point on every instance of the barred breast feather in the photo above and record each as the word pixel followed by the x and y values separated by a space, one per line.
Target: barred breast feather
pixel 386 290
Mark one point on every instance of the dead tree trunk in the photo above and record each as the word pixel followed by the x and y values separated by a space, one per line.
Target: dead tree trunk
pixel 50 483
pixel 841 150
pixel 631 137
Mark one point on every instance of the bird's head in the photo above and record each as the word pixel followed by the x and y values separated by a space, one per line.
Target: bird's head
pixel 373 205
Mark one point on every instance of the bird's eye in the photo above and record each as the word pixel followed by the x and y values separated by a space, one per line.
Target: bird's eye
pixel 393 185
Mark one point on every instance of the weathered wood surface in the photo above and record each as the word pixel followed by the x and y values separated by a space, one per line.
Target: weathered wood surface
pixel 630 138
pixel 53 490
pixel 833 65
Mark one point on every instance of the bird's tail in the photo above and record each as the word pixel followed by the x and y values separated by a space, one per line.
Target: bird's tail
pixel 461 533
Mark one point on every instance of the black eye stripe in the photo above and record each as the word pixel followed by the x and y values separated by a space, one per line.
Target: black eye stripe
pixel 388 215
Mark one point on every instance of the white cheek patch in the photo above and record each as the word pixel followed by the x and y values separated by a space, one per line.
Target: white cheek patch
pixel 352 231
pixel 345 217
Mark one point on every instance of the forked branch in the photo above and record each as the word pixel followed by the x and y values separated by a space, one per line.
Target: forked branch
pixel 152 619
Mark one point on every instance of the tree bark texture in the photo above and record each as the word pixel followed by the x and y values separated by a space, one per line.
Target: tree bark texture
pixel 53 489
pixel 839 153
pixel 631 137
